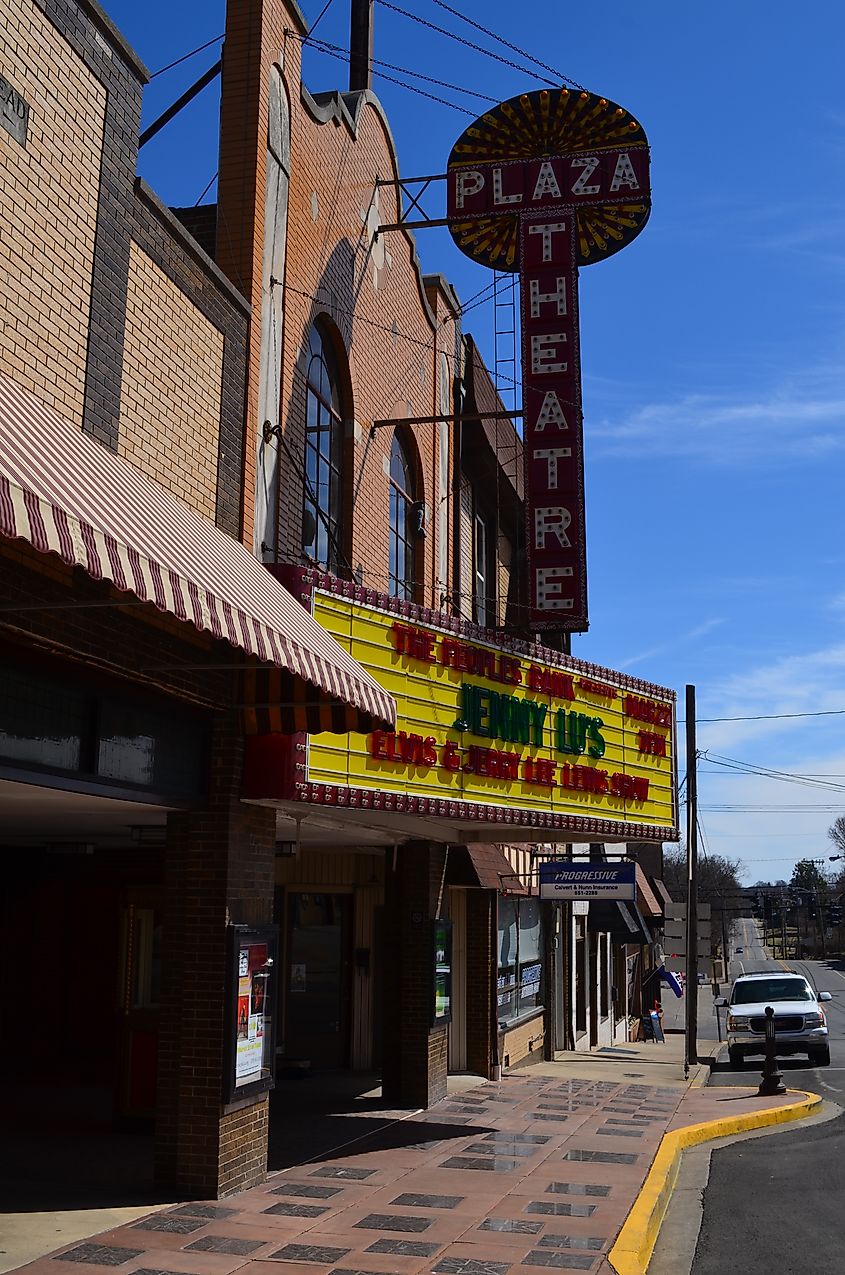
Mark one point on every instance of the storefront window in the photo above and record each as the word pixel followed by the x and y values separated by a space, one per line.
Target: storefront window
pixel 50 725
pixel 520 958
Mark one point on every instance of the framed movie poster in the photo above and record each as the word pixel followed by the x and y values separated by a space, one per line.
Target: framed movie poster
pixel 442 971
pixel 250 1011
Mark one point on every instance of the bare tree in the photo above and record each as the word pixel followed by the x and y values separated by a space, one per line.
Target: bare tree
pixel 718 877
pixel 836 832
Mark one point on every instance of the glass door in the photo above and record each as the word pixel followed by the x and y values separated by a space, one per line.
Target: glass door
pixel 317 978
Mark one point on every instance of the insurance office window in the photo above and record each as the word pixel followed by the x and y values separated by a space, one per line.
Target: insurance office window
pixel 402 514
pixel 321 513
pixel 520 958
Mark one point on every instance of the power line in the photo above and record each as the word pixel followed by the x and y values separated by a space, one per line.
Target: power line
pixel 766 772
pixel 507 44
pixel 769 717
pixel 476 48
pixel 317 21
pixel 185 56
pixel 205 192
pixel 325 46
pixel 335 51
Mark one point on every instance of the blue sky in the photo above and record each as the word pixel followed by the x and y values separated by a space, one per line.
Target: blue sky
pixel 713 350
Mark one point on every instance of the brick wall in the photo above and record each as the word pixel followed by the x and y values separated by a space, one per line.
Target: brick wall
pixel 414 1052
pixel 481 976
pixel 219 869
pixel 171 387
pixel 76 224
pixel 49 192
pixel 390 325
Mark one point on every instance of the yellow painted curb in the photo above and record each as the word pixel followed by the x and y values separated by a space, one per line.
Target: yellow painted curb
pixel 634 1246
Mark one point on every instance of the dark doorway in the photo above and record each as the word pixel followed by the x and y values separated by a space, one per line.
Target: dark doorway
pixel 317 978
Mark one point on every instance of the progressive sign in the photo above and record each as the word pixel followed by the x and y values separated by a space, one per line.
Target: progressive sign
pixel 579 880
pixel 513 734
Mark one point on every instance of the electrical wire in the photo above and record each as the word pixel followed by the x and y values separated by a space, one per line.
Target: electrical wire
pixel 207 189
pixel 317 21
pixel 320 46
pixel 326 47
pixel 769 717
pixel 185 56
pixel 469 44
pixel 766 772
pixel 514 48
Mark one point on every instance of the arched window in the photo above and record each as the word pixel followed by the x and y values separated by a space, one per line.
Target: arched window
pixel 402 527
pixel 321 513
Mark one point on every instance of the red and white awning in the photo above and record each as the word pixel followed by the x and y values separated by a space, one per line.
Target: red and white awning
pixel 66 494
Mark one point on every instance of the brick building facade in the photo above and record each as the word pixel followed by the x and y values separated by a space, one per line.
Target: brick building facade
pixel 266 381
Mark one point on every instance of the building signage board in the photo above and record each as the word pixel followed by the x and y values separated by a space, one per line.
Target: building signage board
pixel 514 734
pixel 541 185
pixel 583 880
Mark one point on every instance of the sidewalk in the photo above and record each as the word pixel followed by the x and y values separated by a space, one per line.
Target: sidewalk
pixel 539 1170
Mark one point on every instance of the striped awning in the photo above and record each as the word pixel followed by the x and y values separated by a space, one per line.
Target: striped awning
pixel 66 494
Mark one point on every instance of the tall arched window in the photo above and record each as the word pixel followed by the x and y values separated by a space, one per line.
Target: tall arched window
pixel 402 528
pixel 321 513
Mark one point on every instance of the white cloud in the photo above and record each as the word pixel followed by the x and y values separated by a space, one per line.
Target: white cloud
pixel 690 636
pixel 766 822
pixel 779 429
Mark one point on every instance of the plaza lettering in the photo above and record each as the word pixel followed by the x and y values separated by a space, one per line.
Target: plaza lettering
pixel 614 174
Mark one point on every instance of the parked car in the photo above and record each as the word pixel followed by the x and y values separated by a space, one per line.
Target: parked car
pixel 800 1023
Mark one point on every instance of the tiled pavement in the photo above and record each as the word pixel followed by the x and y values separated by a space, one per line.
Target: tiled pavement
pixel 535 1172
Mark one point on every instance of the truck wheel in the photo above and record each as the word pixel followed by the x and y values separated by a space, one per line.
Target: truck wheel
pixel 735 1057
pixel 820 1057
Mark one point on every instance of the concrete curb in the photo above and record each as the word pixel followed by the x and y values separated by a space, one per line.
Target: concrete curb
pixel 634 1245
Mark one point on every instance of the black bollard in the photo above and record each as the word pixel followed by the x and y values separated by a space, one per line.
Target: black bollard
pixel 772 1081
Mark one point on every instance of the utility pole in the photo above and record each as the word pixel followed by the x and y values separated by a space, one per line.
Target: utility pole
pixel 821 924
pixel 691 1057
pixel 361 45
pixel 782 926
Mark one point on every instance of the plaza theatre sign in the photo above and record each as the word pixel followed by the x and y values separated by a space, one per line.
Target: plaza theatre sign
pixel 490 731
pixel 541 185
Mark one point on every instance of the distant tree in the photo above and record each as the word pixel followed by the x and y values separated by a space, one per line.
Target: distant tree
pixel 807 875
pixel 718 877
pixel 836 832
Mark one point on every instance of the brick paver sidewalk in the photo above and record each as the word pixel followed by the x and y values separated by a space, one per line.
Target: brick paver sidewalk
pixel 532 1172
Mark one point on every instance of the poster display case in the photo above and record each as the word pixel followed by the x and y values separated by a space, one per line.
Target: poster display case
pixel 250 1011
pixel 441 933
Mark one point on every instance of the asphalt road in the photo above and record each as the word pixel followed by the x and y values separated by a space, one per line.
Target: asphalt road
pixel 775 1203
pixel 826 976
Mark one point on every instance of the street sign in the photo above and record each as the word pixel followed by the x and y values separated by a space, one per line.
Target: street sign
pixel 586 880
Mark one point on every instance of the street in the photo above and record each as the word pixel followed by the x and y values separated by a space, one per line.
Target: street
pixel 780 1194
pixel 825 976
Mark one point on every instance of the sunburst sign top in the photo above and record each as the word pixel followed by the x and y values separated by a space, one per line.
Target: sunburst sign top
pixel 549 147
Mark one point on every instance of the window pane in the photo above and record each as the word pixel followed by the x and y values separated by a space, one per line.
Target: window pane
pixel 41 722
pixel 507 931
pixel 323 456
pixel 529 930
